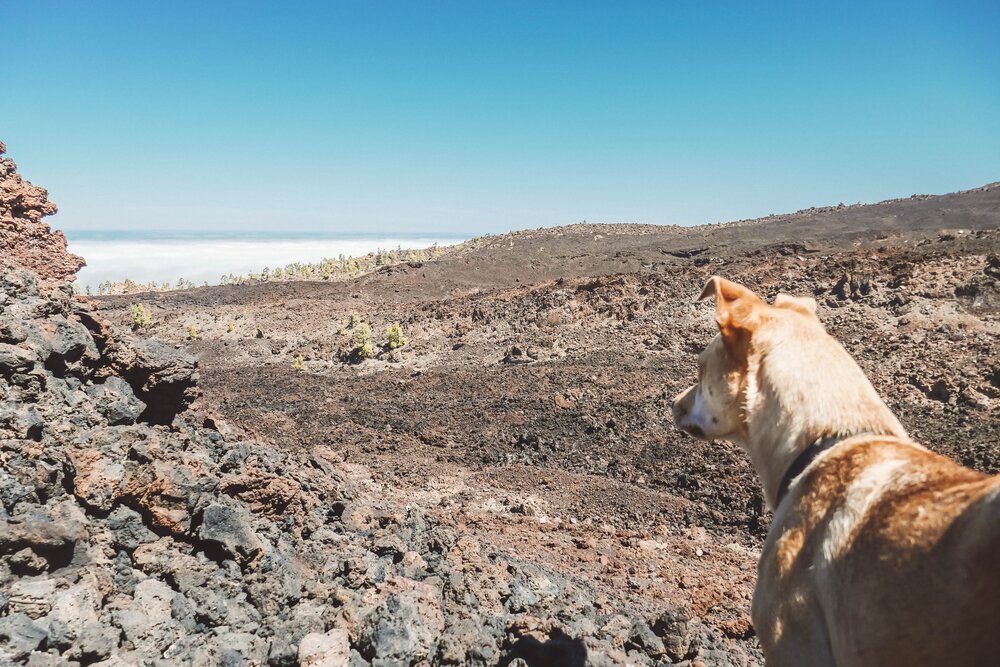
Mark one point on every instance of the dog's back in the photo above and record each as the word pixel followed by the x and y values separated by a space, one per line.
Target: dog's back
pixel 902 547
pixel 881 552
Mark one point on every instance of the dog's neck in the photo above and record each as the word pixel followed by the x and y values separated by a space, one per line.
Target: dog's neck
pixel 806 457
pixel 786 415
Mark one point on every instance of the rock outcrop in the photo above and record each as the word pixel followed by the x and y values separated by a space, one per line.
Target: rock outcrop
pixel 26 241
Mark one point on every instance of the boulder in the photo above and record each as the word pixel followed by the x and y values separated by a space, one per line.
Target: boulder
pixel 405 628
pixel 74 623
pixel 167 491
pixel 72 343
pixel 98 479
pixel 128 529
pixel 164 377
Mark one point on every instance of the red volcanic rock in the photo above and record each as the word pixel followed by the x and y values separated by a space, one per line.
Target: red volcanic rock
pixel 26 241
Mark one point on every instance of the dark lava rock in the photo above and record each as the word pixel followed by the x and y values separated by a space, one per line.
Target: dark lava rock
pixel 128 529
pixel 229 530
pixel 115 400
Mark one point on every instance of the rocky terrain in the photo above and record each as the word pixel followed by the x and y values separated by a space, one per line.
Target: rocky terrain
pixel 233 484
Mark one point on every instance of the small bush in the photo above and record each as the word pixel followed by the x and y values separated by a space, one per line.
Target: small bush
pixel 192 332
pixel 396 337
pixel 142 316
pixel 299 364
pixel 232 327
pixel 362 341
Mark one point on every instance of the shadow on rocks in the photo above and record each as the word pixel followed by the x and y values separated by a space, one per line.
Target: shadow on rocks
pixel 559 650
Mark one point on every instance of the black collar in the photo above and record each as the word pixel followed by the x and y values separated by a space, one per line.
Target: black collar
pixel 807 456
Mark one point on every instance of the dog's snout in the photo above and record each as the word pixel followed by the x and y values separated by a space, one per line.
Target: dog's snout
pixel 681 407
pixel 681 404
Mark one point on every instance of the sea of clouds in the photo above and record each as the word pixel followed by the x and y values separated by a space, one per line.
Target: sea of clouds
pixel 206 258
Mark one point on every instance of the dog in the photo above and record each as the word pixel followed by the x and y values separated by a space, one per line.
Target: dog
pixel 880 552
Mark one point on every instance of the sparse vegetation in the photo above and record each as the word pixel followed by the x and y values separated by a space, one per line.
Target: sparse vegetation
pixel 299 364
pixel 396 336
pixel 231 327
pixel 192 332
pixel 142 316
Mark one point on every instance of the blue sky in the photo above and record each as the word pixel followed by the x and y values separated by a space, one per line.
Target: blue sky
pixel 459 117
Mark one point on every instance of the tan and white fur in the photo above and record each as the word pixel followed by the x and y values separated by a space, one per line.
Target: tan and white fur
pixel 880 552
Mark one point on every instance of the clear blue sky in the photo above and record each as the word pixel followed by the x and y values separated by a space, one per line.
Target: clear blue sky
pixel 472 117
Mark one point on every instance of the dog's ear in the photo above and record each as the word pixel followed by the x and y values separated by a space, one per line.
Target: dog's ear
pixel 802 304
pixel 736 309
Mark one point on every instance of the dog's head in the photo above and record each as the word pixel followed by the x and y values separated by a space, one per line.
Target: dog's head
pixel 716 407
pixel 773 381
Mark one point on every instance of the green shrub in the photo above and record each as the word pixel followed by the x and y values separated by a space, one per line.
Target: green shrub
pixel 362 341
pixel 396 337
pixel 142 316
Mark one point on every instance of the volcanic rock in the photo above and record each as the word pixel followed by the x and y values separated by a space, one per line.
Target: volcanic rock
pixel 25 241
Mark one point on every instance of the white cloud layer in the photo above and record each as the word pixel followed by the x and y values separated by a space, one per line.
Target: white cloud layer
pixel 201 260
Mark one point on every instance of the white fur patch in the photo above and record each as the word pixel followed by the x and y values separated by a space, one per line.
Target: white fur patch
pixel 699 412
pixel 862 493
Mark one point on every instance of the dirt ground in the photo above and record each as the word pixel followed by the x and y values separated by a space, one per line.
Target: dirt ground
pixel 530 406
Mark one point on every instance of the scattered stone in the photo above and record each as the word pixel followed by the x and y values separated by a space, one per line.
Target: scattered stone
pixel 135 530
pixel 673 627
